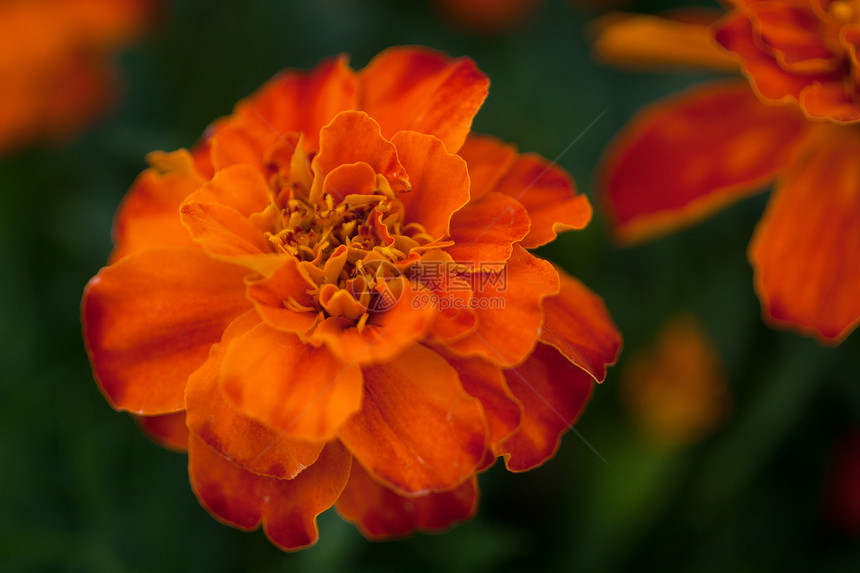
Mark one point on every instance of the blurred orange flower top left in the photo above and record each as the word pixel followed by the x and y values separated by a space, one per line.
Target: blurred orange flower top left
pixel 56 71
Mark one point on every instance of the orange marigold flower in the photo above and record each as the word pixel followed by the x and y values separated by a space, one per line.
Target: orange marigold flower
pixel 55 69
pixel 676 388
pixel 329 300
pixel 692 154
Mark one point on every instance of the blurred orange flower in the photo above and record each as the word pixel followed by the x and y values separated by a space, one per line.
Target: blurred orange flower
pixel 676 389
pixel 487 16
pixel 332 292
pixel 55 63
pixel 692 154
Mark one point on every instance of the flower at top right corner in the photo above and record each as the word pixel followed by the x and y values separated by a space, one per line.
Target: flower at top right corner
pixel 788 119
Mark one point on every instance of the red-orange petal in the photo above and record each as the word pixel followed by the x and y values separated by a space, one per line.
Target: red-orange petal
pixel 290 386
pixel 149 214
pixel 553 393
pixel 578 325
pixel 385 336
pixel 486 382
pixel 149 321
pixel 244 440
pixel 354 136
pixel 166 430
pixel 804 251
pixel 691 154
pixel 231 494
pixel 217 214
pixel 769 80
pixel 272 294
pixel 440 181
pixel 287 508
pixel 509 310
pixel 289 518
pixel 417 430
pixel 303 101
pixel 485 230
pixel 488 159
pixel 423 90
pixel 381 513
pixel 548 194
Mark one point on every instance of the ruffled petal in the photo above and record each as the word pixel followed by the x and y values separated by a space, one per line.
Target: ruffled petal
pixel 417 430
pixel 290 386
pixel 485 230
pixel 804 251
pixel 149 214
pixel 548 194
pixel 381 513
pixel 166 430
pixel 553 393
pixel 244 440
pixel 217 215
pixel 354 136
pixel 292 101
pixel 280 298
pixel 384 336
pixel 488 159
pixel 578 325
pixel 508 305
pixel 641 41
pixel 287 508
pixel 423 90
pixel 440 181
pixel 691 154
pixel 769 80
pixel 149 321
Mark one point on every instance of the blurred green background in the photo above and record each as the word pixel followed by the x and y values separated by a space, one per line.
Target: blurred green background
pixel 82 490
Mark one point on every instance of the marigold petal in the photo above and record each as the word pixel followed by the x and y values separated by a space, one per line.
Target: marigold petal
pixel 485 230
pixel 440 181
pixel 769 80
pixel 423 90
pixel 832 101
pixel 804 250
pixel 217 215
pixel 486 382
pixel 386 334
pixel 167 430
pixel 578 325
pixel 274 295
pixel 548 194
pixel 149 320
pixel 488 159
pixel 290 386
pixel 642 41
pixel 231 494
pixel 303 101
pixel 244 440
pixel 147 217
pixel 417 430
pixel 509 310
pixel 730 145
pixel 287 508
pixel 553 393
pixel 354 136
pixel 289 518
pixel 380 513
